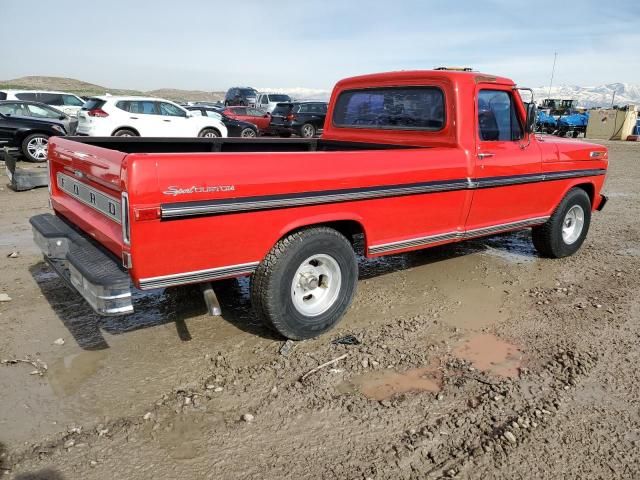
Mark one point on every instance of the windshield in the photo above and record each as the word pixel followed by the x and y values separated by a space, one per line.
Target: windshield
pixel 248 92
pixel 279 98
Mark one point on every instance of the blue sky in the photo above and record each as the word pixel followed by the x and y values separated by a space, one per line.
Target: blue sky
pixel 211 45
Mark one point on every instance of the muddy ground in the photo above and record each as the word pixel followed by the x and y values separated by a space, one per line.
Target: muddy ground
pixel 479 360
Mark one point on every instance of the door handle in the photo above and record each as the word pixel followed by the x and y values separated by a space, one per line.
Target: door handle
pixel 486 155
pixel 166 120
pixel 133 118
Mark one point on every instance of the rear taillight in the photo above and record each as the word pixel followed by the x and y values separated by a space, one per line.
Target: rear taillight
pixel 291 117
pixel 97 112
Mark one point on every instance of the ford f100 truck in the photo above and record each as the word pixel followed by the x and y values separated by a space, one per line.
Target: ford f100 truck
pixel 407 160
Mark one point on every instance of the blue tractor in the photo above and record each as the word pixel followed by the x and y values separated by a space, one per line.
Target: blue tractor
pixel 546 123
pixel 573 124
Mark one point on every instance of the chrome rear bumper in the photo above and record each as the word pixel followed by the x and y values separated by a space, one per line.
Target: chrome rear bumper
pixel 88 269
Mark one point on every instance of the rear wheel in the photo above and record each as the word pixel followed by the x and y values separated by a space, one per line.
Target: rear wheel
pixel 209 133
pixel 565 231
pixel 307 130
pixel 248 133
pixel 125 132
pixel 35 147
pixel 306 283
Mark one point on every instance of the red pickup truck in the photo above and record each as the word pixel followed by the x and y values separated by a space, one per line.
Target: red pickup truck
pixel 407 160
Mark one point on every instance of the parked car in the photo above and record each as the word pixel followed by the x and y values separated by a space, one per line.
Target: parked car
pixel 67 102
pixel 20 108
pixel 145 117
pixel 409 160
pixel 29 134
pixel 235 128
pixel 252 115
pixel 244 96
pixel 268 101
pixel 305 119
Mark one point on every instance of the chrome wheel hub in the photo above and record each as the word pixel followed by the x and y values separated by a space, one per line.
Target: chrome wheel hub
pixel 37 148
pixel 316 285
pixel 572 224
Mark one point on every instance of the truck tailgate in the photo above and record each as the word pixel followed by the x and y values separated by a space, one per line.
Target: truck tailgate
pixel 86 188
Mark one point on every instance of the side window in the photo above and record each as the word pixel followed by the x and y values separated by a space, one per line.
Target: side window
pixel 254 112
pixel 123 105
pixel 239 111
pixel 29 96
pixel 303 109
pixel 54 99
pixel 39 112
pixel 497 116
pixel 15 109
pixel 264 100
pixel 144 107
pixel 171 110
pixel 72 100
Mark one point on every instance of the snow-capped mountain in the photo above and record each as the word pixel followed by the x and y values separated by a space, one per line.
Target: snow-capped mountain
pixel 598 96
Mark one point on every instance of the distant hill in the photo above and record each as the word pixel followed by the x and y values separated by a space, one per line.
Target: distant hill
pixel 86 89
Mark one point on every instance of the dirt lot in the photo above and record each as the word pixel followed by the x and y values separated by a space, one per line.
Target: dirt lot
pixel 476 361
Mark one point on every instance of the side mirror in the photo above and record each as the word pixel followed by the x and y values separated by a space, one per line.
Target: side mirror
pixel 532 115
pixel 62 117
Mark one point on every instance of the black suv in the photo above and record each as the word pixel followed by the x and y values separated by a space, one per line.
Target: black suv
pixel 243 96
pixel 29 134
pixel 305 119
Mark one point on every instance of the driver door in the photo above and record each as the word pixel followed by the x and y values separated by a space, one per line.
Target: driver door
pixel 175 122
pixel 506 165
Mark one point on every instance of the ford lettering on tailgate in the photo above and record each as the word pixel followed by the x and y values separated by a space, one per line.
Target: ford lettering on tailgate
pixel 90 196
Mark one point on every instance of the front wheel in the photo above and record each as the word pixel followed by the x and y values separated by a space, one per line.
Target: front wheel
pixel 305 284
pixel 35 147
pixel 209 133
pixel 565 231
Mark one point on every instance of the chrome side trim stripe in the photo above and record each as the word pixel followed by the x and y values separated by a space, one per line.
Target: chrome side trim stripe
pixel 307 198
pixel 481 232
pixel 248 204
pixel 414 242
pixel 444 237
pixel 198 276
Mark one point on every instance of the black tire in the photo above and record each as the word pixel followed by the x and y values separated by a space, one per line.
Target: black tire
pixel 35 147
pixel 248 133
pixel 209 133
pixel 548 238
pixel 307 131
pixel 272 283
pixel 125 132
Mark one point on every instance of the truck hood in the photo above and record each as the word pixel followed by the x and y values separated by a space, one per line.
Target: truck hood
pixel 571 150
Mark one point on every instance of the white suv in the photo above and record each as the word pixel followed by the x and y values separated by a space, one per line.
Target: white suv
pixel 144 117
pixel 268 101
pixel 67 102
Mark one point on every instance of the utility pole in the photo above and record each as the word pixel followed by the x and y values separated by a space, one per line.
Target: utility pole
pixel 553 70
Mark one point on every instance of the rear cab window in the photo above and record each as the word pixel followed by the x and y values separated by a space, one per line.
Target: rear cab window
pixel 497 116
pixel 391 108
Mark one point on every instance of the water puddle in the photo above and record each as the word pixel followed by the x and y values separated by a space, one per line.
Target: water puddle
pixel 491 354
pixel 385 384
pixel 70 373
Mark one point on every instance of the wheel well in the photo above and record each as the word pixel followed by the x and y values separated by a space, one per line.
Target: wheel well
pixel 589 189
pixel 125 128
pixel 21 136
pixel 351 229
